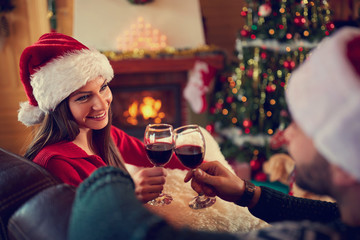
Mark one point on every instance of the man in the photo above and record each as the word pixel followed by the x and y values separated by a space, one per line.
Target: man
pixel 324 99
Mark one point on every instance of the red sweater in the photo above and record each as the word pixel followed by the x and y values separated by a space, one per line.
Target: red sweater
pixel 72 165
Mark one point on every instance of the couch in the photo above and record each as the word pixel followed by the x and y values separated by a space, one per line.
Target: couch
pixel 36 205
pixel 33 203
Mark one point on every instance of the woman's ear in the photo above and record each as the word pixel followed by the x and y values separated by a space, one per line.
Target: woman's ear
pixel 340 177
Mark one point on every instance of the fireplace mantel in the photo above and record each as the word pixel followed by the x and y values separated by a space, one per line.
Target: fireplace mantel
pixel 170 64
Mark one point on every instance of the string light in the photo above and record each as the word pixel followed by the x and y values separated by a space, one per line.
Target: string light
pixel 141 35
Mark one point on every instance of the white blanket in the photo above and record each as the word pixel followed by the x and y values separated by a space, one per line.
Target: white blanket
pixel 222 216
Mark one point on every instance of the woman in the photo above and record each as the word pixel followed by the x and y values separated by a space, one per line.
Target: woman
pixel 67 88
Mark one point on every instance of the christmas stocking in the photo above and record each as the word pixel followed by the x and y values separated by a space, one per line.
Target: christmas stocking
pixel 199 80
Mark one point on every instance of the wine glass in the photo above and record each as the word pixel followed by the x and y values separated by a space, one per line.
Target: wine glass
pixel 159 145
pixel 190 149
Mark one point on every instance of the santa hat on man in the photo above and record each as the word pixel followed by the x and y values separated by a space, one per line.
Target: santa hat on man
pixel 54 67
pixel 323 95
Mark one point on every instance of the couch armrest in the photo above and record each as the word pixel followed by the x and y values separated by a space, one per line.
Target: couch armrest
pixel 45 216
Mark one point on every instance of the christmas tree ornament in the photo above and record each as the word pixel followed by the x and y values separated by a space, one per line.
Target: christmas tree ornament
pixel 255 165
pixel 210 128
pixel 299 21
pixel 260 177
pixel 245 33
pixel 264 10
pixel 247 123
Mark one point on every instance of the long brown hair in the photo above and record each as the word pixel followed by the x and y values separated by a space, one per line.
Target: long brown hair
pixel 60 125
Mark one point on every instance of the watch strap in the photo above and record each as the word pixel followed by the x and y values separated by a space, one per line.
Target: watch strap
pixel 248 194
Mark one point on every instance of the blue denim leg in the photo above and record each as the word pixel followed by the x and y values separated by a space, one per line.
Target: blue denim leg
pixel 106 207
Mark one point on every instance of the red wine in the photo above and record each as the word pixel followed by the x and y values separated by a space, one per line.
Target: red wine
pixel 159 153
pixel 191 156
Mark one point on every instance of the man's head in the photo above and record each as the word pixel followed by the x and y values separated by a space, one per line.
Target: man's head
pixel 323 96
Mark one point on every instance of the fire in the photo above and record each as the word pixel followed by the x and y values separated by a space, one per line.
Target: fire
pixel 148 108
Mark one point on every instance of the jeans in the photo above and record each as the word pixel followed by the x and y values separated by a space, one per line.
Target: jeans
pixel 106 207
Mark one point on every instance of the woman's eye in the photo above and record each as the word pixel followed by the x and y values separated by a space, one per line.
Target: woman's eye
pixel 82 98
pixel 104 87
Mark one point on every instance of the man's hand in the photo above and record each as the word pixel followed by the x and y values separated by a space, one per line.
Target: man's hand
pixel 212 178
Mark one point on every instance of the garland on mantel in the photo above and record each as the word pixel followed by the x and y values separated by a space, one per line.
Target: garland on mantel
pixel 163 53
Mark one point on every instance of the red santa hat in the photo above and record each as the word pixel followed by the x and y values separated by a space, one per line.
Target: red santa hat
pixel 323 95
pixel 54 67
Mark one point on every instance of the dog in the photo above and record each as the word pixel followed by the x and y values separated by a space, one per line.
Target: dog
pixel 280 167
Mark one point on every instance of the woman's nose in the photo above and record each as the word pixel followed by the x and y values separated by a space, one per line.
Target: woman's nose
pixel 100 102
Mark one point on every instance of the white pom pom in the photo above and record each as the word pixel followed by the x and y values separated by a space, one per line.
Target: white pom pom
pixel 30 115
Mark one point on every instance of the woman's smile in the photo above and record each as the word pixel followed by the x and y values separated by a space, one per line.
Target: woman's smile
pixel 99 117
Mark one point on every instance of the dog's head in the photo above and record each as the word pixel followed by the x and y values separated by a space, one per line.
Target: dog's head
pixel 279 167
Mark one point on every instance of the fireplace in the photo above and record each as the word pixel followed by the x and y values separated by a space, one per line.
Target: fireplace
pixel 136 107
pixel 150 91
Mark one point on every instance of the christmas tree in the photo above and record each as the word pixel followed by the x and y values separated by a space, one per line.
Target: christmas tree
pixel 249 109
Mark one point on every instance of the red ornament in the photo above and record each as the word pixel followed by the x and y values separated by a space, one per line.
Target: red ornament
pixel 244 33
pixel 247 130
pixel 263 55
pixel 260 177
pixel 219 105
pixel 229 99
pixel 270 88
pixel 330 26
pixel 247 123
pixel 250 72
pixel 288 64
pixel 255 165
pixel 244 13
pixel 299 21
pixel 210 128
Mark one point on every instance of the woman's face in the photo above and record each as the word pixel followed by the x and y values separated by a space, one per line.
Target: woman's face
pixel 90 104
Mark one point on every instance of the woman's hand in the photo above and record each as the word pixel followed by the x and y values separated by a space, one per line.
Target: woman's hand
pixel 149 182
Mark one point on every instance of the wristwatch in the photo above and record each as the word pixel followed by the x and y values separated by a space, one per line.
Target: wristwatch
pixel 247 195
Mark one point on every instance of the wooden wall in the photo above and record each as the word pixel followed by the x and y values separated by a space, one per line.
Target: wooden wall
pixel 29 20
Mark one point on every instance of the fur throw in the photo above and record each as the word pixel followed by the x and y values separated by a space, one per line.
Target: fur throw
pixel 222 216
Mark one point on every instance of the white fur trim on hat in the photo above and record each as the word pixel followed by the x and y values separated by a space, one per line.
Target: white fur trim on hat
pixel 29 114
pixel 62 76
pixel 324 98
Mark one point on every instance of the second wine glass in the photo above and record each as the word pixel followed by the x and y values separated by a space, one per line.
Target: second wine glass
pixel 159 144
pixel 190 149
